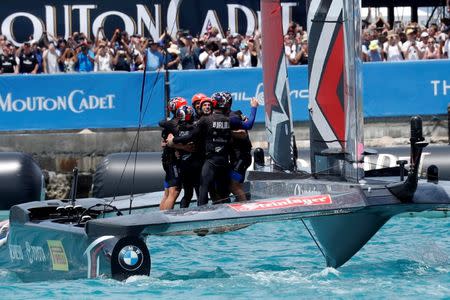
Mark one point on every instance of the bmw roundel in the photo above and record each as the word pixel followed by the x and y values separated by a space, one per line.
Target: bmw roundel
pixel 130 258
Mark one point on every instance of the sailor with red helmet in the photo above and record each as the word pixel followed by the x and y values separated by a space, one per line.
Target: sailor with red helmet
pixel 214 132
pixel 206 106
pixel 170 161
pixel 196 104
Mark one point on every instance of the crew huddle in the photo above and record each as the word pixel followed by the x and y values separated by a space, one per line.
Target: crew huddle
pixel 206 149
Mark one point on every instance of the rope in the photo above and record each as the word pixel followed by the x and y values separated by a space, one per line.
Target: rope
pixel 313 238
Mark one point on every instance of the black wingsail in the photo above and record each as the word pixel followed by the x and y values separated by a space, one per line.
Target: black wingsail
pixel 276 88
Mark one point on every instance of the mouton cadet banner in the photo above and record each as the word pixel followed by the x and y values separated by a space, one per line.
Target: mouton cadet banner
pixel 111 100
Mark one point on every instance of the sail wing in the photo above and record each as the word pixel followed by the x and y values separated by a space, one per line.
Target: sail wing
pixel 335 88
pixel 276 88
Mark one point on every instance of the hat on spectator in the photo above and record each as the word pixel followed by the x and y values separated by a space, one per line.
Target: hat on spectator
pixel 446 29
pixel 173 49
pixel 373 45
pixel 424 34
pixel 391 33
pixel 189 37
pixel 410 31
pixel 224 41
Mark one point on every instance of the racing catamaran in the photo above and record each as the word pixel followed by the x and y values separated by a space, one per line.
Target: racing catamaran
pixel 101 237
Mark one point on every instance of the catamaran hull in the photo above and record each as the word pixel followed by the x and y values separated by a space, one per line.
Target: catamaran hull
pixel 50 250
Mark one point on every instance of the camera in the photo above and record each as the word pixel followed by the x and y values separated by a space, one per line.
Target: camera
pixel 83 48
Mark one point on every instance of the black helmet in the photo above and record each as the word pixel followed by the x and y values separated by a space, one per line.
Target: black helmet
pixel 222 100
pixel 176 103
pixel 185 113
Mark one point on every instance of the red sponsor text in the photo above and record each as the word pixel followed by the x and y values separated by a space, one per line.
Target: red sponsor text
pixel 283 203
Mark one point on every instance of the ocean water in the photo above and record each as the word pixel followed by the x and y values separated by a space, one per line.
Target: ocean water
pixel 408 258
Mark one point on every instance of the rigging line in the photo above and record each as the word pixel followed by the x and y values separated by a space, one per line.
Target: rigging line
pixel 142 114
pixel 132 146
pixel 138 131
pixel 313 238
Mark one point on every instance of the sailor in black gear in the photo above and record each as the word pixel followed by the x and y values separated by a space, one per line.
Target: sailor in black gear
pixel 214 130
pixel 241 147
pixel 196 105
pixel 191 162
pixel 170 162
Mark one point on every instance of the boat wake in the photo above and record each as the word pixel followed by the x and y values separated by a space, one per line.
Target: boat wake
pixel 431 255
pixel 201 274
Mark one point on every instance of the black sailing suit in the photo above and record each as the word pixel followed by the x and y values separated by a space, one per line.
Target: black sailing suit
pixel 190 166
pixel 214 130
pixel 169 160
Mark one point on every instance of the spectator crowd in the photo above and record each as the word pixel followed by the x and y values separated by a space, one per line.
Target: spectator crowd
pixel 210 51
pixel 410 42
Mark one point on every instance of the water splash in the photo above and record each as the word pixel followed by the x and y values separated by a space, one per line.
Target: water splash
pixel 326 273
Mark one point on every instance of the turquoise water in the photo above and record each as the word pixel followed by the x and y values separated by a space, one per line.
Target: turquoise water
pixel 408 258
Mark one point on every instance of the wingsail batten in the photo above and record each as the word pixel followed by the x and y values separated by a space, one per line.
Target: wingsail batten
pixel 276 88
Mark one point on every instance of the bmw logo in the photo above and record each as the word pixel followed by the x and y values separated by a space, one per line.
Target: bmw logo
pixel 130 258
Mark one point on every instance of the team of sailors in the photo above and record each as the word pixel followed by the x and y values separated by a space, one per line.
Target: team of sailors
pixel 206 149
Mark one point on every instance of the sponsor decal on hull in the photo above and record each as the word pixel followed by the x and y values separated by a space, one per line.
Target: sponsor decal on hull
pixel 58 255
pixel 130 258
pixel 283 203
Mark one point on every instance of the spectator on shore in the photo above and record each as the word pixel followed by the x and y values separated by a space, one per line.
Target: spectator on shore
pixel 189 55
pixel 2 43
pixel 433 30
pixel 154 57
pixel 375 53
pixel 289 47
pixel 207 58
pixel 8 64
pixel 85 58
pixel 392 48
pixel 224 59
pixel 254 47
pixel 28 63
pixel 432 50
pixel 122 59
pixel 422 44
pixel 68 60
pixel 410 48
pixel 446 46
pixel 39 56
pixel 103 59
pixel 301 58
pixel 173 57
pixel 50 60
pixel 244 56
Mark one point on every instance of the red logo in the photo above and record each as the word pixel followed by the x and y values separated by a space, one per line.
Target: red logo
pixel 283 203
